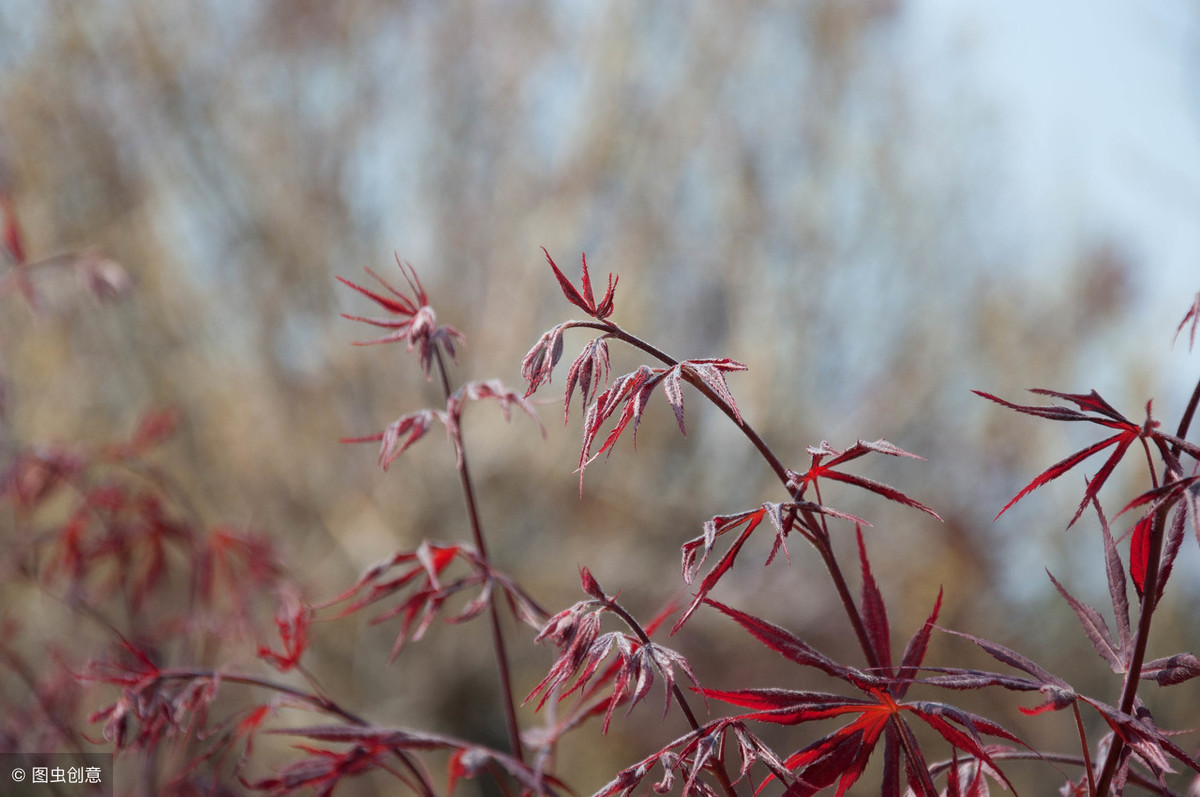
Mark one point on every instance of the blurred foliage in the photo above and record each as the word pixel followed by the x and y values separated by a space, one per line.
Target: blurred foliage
pixel 762 176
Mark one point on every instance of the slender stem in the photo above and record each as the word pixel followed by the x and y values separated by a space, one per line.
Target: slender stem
pixel 1149 599
pixel 1016 754
pixel 1186 421
pixel 718 765
pixel 318 701
pixel 912 752
pixel 827 555
pixel 1134 673
pixel 843 591
pixel 502 668
pixel 53 714
pixel 1083 743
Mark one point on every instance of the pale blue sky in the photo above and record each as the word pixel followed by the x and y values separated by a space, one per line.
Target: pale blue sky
pixel 1099 113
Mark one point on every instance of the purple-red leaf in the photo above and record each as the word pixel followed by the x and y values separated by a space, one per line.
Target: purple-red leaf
pixel 713 527
pixel 413 319
pixel 1147 742
pixel 795 649
pixel 1116 580
pixel 914 651
pixel 629 394
pixel 538 365
pixel 712 374
pixel 590 586
pixel 874 611
pixel 674 391
pixel 1095 628
pixel 1171 549
pixel 1058 692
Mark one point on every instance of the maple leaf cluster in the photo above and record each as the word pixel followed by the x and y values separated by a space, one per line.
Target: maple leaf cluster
pixel 410 318
pixel 103 538
pixel 880 713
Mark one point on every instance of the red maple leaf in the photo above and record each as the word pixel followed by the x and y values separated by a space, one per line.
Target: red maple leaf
pixel 1094 409
pixel 585 301
pixel 822 469
pixel 880 713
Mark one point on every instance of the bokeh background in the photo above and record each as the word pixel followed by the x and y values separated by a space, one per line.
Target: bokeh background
pixel 876 205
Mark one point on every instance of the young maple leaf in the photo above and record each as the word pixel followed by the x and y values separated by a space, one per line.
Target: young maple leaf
pixel 588 371
pixel 585 301
pixel 236 563
pixel 630 392
pixel 423 571
pixel 411 318
pixel 34 475
pixel 582 649
pixel 1093 409
pixel 401 433
pixel 154 705
pixel 820 469
pixel 427 563
pixel 477 391
pixel 538 364
pixel 292 620
pixel 372 747
pixel 225 736
pixel 783 516
pixel 689 755
pixel 153 428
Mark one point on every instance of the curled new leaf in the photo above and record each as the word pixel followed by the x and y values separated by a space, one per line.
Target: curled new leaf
pixel 539 363
pixel 1172 669
pixel 630 392
pixel 589 372
pixel 410 318
pixel 418 576
pixel 398 436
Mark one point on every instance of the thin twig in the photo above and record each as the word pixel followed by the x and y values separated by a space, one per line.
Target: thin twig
pixel 498 645
pixel 826 552
pixel 718 766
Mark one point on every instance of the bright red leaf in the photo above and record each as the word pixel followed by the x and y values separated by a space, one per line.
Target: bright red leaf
pixel 1092 409
pixel 822 469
